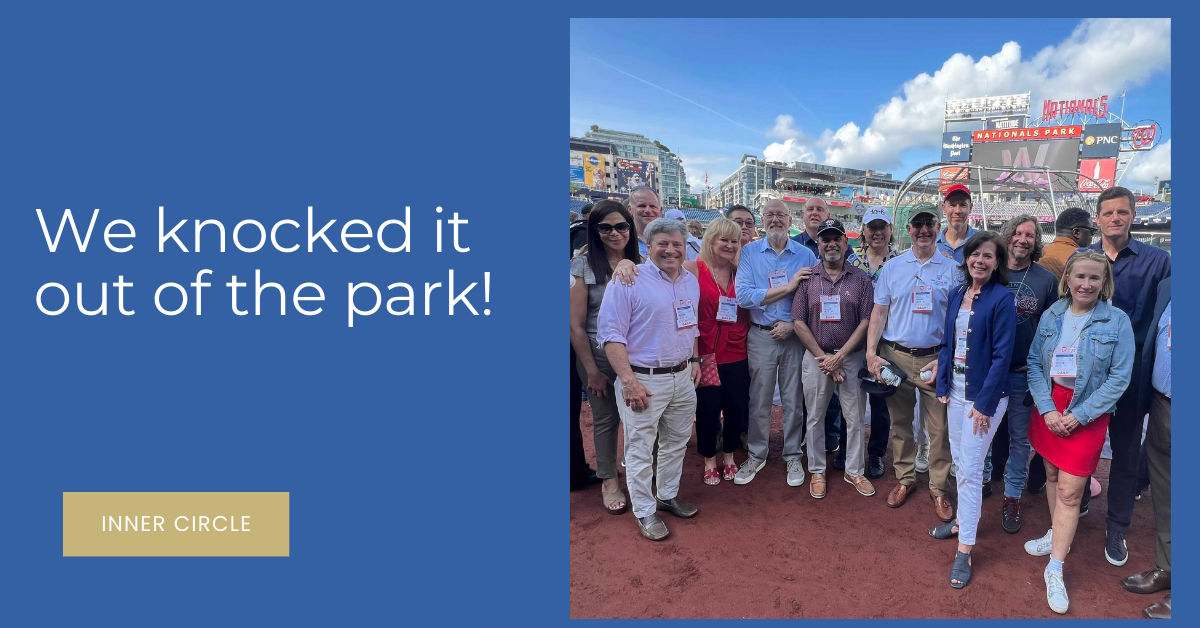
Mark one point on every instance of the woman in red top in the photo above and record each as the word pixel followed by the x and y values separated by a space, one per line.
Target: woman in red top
pixel 723 327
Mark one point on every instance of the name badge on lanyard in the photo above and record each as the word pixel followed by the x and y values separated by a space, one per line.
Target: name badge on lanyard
pixel 1063 363
pixel 831 307
pixel 922 298
pixel 685 314
pixel 777 278
pixel 960 346
pixel 727 310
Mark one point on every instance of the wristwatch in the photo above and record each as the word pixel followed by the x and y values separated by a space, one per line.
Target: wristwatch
pixel 697 360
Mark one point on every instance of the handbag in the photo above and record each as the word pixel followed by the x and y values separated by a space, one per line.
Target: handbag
pixel 708 370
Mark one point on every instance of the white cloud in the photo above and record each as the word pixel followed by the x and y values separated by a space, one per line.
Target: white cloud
pixel 1101 56
pixel 784 128
pixel 1147 166
pixel 789 151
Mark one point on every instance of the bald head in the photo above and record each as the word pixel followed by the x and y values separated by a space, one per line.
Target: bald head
pixel 815 213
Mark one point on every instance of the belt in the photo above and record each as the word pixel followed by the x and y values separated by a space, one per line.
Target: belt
pixel 766 327
pixel 960 369
pixel 918 353
pixel 831 351
pixel 659 370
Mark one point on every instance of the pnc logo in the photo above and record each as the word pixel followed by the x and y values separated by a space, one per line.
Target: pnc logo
pixel 1089 140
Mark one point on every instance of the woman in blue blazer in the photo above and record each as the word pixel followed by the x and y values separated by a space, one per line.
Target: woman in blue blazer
pixel 977 345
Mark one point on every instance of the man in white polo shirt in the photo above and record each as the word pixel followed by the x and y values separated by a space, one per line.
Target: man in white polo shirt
pixel 906 328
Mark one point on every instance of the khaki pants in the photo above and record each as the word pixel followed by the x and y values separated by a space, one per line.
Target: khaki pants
pixel 818 390
pixel 900 406
pixel 669 419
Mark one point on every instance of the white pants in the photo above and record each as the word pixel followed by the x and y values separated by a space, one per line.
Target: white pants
pixel 668 418
pixel 818 390
pixel 919 429
pixel 968 451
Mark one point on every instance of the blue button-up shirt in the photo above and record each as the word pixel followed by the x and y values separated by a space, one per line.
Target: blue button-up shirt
pixel 1137 270
pixel 757 259
pixel 1161 379
pixel 955 252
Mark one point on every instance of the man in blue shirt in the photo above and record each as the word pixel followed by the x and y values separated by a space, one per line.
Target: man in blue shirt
pixel 769 271
pixel 1138 269
pixel 956 207
pixel 814 214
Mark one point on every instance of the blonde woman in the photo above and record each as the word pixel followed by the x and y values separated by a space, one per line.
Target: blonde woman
pixel 723 327
pixel 1080 363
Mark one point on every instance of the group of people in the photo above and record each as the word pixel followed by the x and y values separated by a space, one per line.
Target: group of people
pixel 1071 342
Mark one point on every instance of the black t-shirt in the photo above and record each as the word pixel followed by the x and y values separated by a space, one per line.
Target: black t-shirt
pixel 1035 289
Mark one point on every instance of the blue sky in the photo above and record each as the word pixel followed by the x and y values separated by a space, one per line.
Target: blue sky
pixel 722 88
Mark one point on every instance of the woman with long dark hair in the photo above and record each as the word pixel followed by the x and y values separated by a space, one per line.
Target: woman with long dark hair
pixel 977 345
pixel 610 239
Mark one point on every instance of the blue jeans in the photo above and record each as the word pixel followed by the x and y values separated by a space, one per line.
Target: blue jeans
pixel 1016 471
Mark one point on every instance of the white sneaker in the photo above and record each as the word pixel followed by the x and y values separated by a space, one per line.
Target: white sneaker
pixel 795 472
pixel 1040 547
pixel 748 470
pixel 1056 592
pixel 922 458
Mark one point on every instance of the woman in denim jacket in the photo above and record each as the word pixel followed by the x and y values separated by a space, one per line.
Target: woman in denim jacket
pixel 1080 363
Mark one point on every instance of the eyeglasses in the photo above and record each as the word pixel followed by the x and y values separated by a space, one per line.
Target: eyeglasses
pixel 1091 230
pixel 745 222
pixel 605 228
pixel 922 224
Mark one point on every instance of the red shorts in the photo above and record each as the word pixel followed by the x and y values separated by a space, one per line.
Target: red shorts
pixel 1076 454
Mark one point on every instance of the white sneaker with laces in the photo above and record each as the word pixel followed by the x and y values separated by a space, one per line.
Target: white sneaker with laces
pixel 922 458
pixel 1056 592
pixel 1040 547
pixel 795 473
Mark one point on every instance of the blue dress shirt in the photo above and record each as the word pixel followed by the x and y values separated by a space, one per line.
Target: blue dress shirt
pixel 756 260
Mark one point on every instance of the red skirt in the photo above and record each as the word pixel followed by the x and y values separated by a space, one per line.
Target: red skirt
pixel 1076 454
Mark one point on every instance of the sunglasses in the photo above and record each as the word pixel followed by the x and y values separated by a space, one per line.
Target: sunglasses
pixel 1091 230
pixel 605 228
pixel 922 224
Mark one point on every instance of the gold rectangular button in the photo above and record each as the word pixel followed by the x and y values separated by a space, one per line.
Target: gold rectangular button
pixel 176 524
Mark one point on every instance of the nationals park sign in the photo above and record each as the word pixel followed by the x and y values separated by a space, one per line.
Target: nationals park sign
pixel 1035 133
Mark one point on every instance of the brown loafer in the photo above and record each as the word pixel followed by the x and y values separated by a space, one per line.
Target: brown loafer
pixel 900 494
pixel 816 485
pixel 943 509
pixel 1160 609
pixel 1151 581
pixel 861 484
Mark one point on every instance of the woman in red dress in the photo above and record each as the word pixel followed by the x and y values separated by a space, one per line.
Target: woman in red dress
pixel 723 327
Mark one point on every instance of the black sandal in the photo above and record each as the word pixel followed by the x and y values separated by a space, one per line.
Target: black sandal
pixel 961 570
pixel 944 531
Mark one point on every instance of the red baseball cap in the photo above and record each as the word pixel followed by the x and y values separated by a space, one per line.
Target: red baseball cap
pixel 958 187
